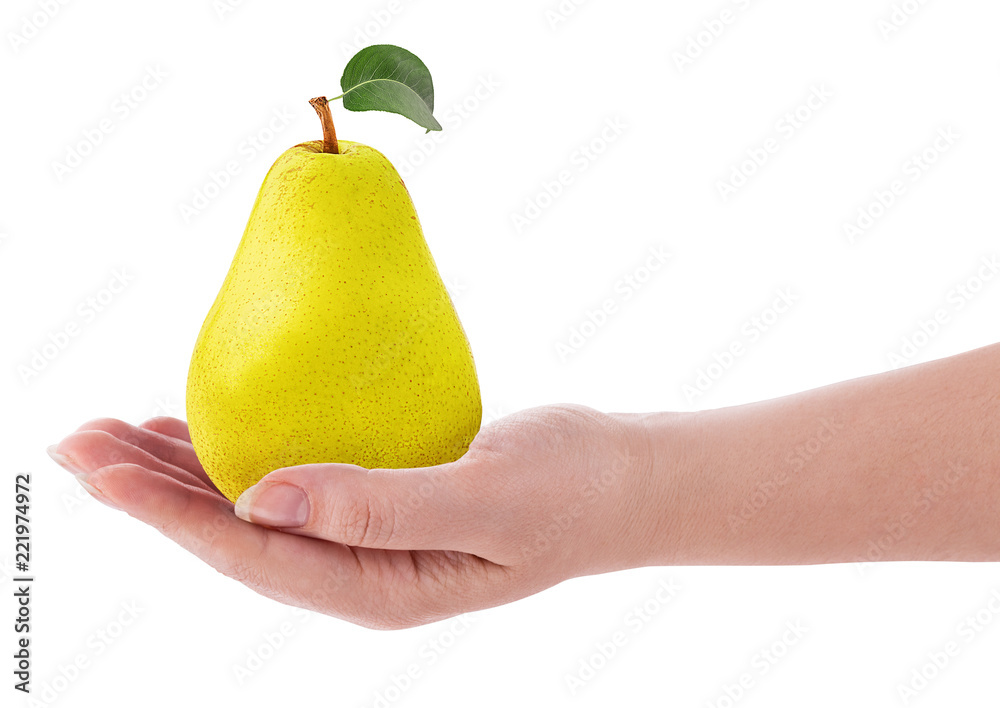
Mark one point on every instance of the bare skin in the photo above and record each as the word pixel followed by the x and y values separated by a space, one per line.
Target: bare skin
pixel 897 466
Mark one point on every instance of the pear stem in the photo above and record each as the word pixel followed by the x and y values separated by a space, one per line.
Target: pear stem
pixel 322 107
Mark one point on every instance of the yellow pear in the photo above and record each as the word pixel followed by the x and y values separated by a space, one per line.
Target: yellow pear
pixel 333 338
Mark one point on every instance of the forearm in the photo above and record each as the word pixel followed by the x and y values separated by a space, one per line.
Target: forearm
pixel 897 466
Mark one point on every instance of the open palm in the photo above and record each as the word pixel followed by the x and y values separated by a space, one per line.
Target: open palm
pixel 383 548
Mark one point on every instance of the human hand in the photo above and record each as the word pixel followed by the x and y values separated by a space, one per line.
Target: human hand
pixel 541 496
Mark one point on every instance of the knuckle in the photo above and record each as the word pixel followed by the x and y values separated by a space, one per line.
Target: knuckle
pixel 158 420
pixel 365 521
pixel 354 523
pixel 111 426
pixel 102 446
pixel 102 436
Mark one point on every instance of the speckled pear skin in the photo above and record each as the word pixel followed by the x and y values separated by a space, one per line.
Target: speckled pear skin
pixel 333 338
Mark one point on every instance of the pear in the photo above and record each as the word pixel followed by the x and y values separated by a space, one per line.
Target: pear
pixel 333 338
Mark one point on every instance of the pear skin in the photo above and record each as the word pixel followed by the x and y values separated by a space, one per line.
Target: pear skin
pixel 333 338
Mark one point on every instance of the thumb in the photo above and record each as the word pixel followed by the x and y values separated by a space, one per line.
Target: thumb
pixel 401 509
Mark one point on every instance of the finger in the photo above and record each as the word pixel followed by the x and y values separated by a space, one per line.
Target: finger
pixel 171 427
pixel 411 509
pixel 89 450
pixel 297 570
pixel 171 450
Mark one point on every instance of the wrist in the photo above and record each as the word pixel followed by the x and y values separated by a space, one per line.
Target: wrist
pixel 661 453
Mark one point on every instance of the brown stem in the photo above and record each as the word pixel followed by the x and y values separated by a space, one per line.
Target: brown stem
pixel 322 107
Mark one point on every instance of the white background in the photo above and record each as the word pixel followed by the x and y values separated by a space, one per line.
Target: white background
pixel 556 80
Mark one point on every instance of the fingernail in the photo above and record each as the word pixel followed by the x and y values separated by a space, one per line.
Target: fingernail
pixel 64 461
pixel 94 491
pixel 282 506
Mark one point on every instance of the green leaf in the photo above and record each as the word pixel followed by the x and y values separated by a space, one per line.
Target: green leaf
pixel 384 77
